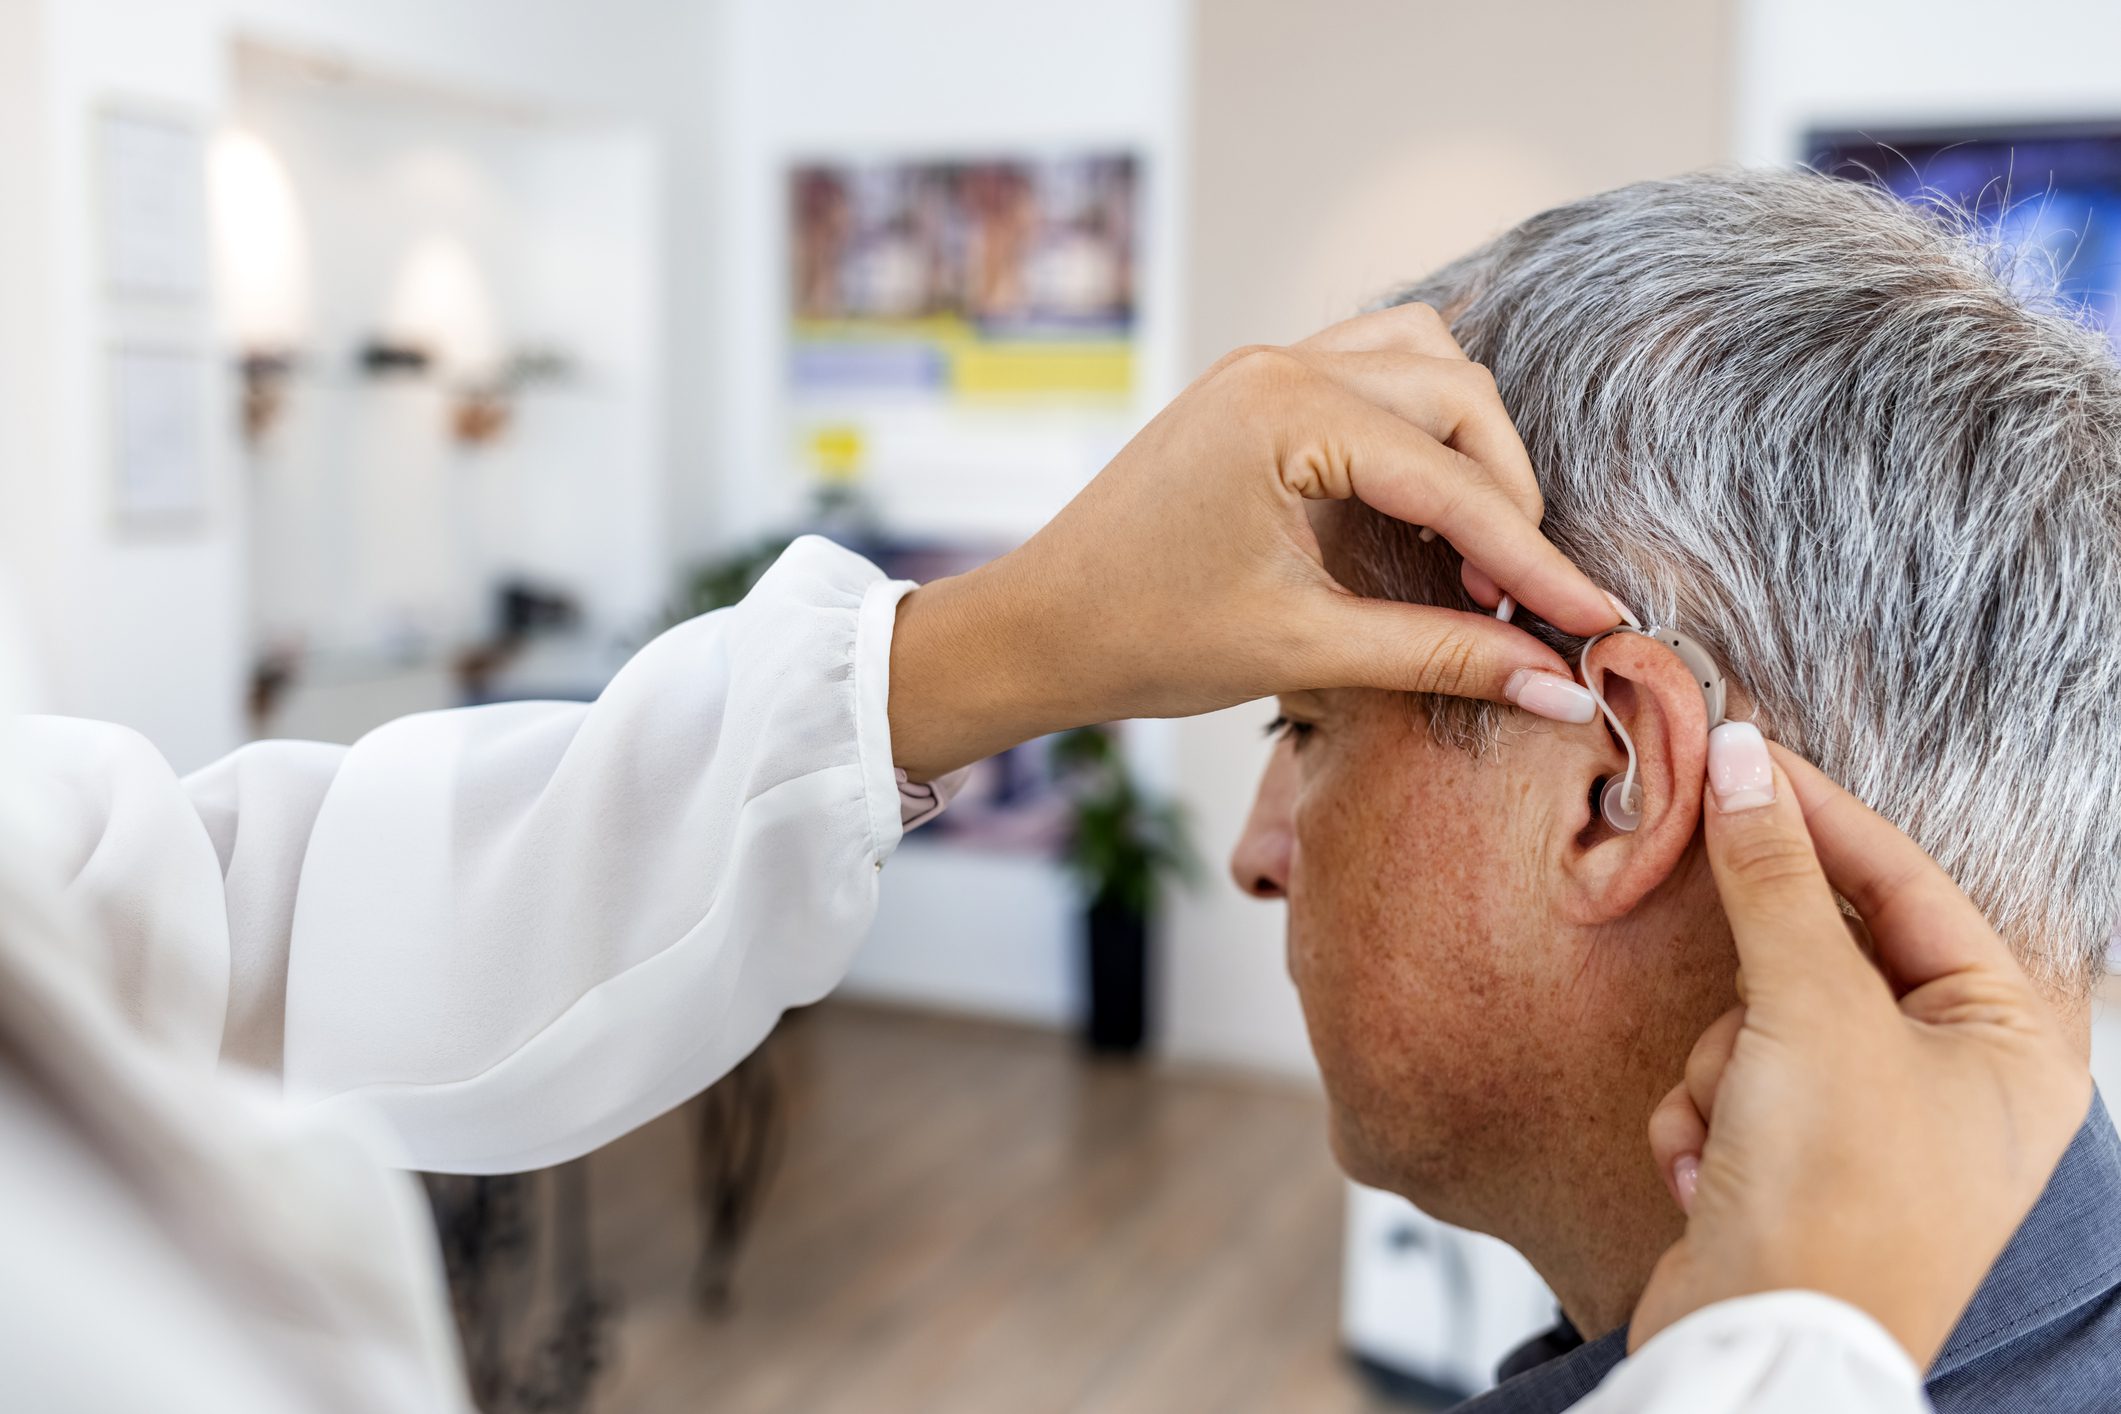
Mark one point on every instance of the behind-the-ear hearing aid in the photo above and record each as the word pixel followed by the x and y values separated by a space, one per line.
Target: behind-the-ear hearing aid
pixel 1620 802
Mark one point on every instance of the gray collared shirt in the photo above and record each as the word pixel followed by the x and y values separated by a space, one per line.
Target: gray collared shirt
pixel 2042 1334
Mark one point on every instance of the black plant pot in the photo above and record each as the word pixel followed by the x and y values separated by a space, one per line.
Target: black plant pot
pixel 1119 978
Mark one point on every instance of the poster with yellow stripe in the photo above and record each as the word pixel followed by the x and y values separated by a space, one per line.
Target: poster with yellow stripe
pixel 964 281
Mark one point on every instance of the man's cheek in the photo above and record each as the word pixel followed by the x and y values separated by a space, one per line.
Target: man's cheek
pixel 1300 937
pixel 1331 946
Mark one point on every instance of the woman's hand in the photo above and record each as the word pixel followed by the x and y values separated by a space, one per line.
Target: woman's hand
pixel 1876 1133
pixel 1187 577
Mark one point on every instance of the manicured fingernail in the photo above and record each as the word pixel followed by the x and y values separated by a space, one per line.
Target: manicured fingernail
pixel 1627 615
pixel 1686 1177
pixel 1739 769
pixel 1550 695
pixel 1507 609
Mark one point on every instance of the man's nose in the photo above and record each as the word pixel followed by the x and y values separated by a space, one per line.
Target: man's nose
pixel 1260 863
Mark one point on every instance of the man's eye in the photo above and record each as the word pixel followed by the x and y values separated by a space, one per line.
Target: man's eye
pixel 1296 732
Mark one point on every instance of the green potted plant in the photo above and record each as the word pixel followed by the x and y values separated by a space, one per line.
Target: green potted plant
pixel 720 582
pixel 837 511
pixel 1122 846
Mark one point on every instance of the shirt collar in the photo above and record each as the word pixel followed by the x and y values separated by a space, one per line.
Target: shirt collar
pixel 1550 1372
pixel 2066 1253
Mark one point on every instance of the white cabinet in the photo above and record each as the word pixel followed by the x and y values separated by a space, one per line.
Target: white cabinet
pixel 1432 1305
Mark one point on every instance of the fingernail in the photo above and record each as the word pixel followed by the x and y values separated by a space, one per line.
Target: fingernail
pixel 1627 615
pixel 1740 772
pixel 1686 1177
pixel 1507 609
pixel 1550 695
pixel 1427 535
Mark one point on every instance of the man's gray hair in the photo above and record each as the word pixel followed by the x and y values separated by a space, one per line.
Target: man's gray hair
pixel 1831 436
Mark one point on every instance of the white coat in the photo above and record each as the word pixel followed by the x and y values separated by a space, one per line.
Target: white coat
pixel 477 941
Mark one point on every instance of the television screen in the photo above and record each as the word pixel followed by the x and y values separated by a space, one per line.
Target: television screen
pixel 2052 194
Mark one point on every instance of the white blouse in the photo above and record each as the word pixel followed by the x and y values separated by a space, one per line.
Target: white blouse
pixel 477 941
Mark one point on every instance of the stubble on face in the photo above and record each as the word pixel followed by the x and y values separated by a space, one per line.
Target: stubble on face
pixel 1426 989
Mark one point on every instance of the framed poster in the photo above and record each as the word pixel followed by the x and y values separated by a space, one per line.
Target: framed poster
pixel 157 430
pixel 942 281
pixel 151 187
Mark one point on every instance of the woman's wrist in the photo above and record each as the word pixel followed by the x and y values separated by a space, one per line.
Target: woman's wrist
pixel 962 687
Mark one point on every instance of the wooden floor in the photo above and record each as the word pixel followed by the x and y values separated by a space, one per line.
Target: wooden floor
pixel 976 1218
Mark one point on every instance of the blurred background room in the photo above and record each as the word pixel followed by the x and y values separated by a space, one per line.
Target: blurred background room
pixel 363 359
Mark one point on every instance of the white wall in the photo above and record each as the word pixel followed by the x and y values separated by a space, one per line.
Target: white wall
pixel 942 78
pixel 24 317
pixel 1913 62
pixel 143 627
pixel 149 630
pixel 990 934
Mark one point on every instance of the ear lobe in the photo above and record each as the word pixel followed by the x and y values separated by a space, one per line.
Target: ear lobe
pixel 1657 699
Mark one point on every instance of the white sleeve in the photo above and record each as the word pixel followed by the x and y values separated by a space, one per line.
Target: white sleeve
pixel 511 933
pixel 1781 1352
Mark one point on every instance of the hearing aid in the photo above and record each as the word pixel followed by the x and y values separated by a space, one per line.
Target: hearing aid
pixel 1621 804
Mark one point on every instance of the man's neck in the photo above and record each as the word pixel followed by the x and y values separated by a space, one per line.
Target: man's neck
pixel 1596 1218
pixel 1595 1232
pixel 1598 1270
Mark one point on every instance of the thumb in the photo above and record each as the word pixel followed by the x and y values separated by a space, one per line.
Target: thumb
pixel 1421 648
pixel 1923 926
pixel 1676 1288
pixel 1788 929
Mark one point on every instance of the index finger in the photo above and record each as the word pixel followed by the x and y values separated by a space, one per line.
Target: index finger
pixel 1420 331
pixel 1402 328
pixel 1923 924
pixel 1452 400
pixel 1396 468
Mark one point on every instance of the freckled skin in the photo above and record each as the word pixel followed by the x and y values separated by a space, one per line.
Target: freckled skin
pixel 1485 1057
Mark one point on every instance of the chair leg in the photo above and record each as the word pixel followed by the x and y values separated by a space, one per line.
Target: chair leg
pixel 738 1143
pixel 495 1233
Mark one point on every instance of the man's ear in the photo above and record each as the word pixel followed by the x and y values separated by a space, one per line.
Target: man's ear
pixel 1658 700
